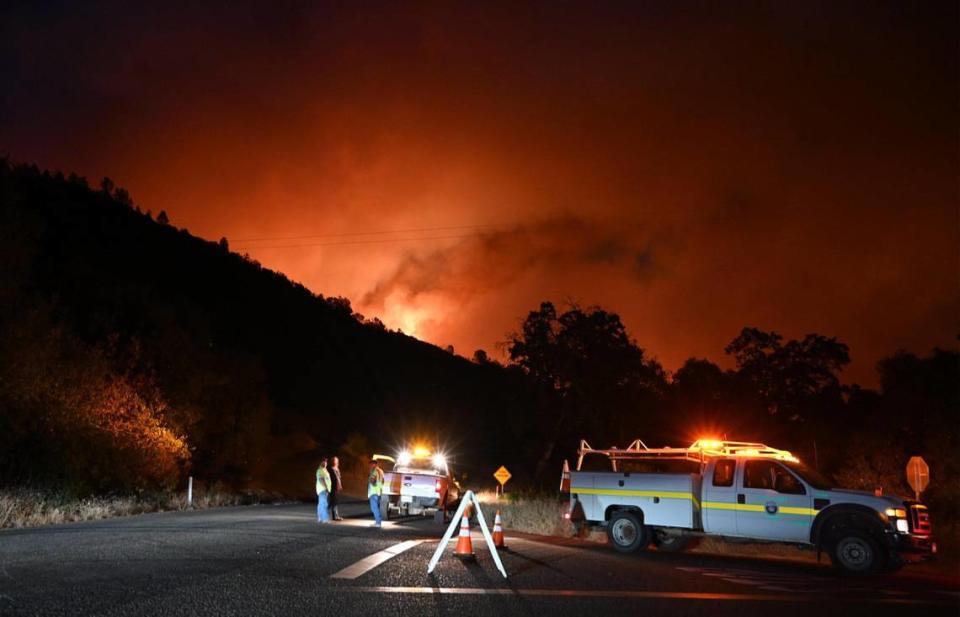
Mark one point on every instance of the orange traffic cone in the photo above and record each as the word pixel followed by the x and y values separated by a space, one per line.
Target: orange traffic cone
pixel 565 478
pixel 498 533
pixel 464 548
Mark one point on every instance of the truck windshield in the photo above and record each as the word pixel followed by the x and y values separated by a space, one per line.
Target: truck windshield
pixel 811 476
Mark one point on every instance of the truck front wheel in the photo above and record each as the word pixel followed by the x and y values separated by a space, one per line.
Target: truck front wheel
pixel 856 552
pixel 627 534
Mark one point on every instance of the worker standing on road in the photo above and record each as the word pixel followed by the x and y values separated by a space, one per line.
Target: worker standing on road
pixel 375 491
pixel 335 487
pixel 323 492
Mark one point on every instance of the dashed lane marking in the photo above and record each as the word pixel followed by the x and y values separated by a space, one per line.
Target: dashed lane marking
pixel 599 593
pixel 368 563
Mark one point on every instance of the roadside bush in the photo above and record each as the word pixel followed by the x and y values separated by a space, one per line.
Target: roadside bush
pixel 36 507
pixel 67 418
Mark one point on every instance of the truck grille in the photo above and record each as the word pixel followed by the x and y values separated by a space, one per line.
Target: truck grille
pixel 920 520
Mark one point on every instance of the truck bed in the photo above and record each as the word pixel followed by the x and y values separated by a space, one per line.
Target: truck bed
pixel 666 500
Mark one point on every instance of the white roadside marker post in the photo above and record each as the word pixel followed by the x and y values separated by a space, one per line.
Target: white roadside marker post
pixel 190 492
pixel 455 523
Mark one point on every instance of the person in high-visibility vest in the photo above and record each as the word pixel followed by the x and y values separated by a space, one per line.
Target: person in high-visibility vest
pixel 323 492
pixel 375 491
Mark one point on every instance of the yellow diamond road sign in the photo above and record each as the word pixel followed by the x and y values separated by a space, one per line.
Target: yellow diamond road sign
pixel 502 475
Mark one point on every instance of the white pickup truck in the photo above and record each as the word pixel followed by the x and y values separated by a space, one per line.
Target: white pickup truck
pixel 740 491
pixel 417 482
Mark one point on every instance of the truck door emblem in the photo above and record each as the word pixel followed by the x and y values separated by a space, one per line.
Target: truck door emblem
pixel 771 507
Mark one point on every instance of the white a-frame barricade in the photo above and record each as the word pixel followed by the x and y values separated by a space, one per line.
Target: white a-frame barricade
pixel 467 498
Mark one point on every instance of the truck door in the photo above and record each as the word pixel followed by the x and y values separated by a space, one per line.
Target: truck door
pixel 772 503
pixel 718 508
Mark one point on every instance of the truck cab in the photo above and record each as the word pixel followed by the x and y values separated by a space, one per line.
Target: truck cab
pixel 740 490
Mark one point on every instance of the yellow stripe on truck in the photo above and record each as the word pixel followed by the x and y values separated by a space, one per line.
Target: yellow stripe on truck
pixel 632 493
pixel 716 505
pixel 756 507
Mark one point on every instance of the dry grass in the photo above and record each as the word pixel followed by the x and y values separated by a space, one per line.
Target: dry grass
pixel 528 513
pixel 33 508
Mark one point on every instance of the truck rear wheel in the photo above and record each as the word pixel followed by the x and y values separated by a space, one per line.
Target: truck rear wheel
pixel 856 552
pixel 627 533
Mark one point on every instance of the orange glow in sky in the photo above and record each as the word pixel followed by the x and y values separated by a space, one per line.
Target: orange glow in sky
pixel 791 169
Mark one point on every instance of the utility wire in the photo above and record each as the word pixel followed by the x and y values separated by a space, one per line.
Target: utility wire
pixel 348 242
pixel 364 233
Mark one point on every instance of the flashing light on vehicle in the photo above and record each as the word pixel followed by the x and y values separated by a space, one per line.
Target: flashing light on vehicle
pixel 421 452
pixel 896 512
pixel 439 461
pixel 404 458
pixel 709 444
pixel 780 455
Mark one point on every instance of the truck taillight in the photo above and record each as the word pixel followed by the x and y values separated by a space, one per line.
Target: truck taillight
pixel 438 485
pixel 920 520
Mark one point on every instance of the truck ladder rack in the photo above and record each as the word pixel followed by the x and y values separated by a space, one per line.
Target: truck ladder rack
pixel 698 452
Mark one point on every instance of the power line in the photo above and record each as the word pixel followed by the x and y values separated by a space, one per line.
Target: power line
pixel 348 242
pixel 365 233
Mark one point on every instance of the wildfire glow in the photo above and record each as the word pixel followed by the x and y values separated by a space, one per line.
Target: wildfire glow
pixel 406 317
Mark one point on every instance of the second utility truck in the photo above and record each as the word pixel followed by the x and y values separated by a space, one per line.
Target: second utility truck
pixel 747 491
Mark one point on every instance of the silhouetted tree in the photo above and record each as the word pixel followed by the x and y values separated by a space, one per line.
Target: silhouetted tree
pixel 789 376
pixel 123 197
pixel 162 218
pixel 596 379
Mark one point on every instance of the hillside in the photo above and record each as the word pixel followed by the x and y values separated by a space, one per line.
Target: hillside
pixel 133 354
pixel 257 374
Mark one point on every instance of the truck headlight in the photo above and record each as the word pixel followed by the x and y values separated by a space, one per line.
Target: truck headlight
pixel 902 525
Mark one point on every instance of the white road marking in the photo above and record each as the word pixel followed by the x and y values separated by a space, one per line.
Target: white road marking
pixel 599 593
pixel 362 522
pixel 813 585
pixel 368 563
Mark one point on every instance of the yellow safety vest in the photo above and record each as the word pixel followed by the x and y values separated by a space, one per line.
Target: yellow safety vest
pixel 375 483
pixel 323 480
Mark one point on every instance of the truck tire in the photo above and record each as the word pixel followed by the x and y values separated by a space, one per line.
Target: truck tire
pixel 673 542
pixel 856 552
pixel 627 534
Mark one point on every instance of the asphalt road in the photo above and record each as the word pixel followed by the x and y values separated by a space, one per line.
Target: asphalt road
pixel 276 560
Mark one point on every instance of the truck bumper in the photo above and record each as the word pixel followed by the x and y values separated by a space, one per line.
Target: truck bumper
pixel 911 548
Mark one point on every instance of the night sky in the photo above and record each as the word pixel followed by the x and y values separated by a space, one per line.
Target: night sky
pixel 786 165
